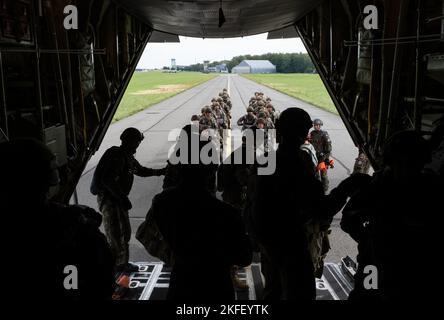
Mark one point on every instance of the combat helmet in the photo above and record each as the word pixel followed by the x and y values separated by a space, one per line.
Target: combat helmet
pixel 131 134
pixel 262 115
pixel 261 121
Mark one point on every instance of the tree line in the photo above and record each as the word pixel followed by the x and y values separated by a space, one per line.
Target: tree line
pixel 284 62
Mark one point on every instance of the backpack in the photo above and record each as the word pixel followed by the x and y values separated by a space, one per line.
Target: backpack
pixel 151 238
pixel 312 153
pixel 82 244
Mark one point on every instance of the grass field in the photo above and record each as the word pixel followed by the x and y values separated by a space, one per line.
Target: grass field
pixel 148 88
pixel 307 87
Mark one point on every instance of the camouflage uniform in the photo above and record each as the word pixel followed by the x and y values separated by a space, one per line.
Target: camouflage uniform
pixel 271 112
pixel 207 123
pixel 117 228
pixel 270 123
pixel 260 105
pixel 322 143
pixel 227 100
pixel 222 123
pixel 221 118
pixel 225 105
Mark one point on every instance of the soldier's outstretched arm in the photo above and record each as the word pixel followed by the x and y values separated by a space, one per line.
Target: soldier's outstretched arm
pixel 355 214
pixel 333 203
pixel 142 171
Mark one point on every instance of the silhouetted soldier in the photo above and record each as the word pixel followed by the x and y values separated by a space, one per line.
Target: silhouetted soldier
pixel 322 143
pixel 355 222
pixel 232 181
pixel 62 253
pixel 206 237
pixel 232 175
pixel 401 208
pixel 173 174
pixel 280 226
pixel 112 183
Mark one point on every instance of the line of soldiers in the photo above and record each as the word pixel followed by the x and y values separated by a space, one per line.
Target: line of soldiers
pixel 260 113
pixel 217 115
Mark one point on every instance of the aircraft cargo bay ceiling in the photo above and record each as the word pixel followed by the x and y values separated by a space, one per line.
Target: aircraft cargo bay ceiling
pixel 201 18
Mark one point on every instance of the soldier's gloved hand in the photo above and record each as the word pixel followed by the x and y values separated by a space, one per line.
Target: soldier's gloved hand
pixel 329 163
pixel 126 204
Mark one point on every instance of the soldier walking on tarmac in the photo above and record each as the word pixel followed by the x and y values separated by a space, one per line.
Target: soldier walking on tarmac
pixel 322 144
pixel 112 183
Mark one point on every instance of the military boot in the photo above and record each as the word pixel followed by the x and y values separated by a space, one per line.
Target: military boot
pixel 130 267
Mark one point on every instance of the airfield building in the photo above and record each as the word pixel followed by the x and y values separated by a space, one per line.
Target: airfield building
pixel 254 66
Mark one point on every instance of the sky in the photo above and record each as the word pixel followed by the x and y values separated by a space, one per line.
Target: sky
pixel 196 50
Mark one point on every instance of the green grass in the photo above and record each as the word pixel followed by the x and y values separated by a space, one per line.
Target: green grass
pixel 306 87
pixel 148 88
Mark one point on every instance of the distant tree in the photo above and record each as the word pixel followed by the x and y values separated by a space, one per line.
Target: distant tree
pixel 194 67
pixel 284 62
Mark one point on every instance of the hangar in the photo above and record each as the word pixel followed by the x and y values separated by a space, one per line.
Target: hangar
pixel 254 66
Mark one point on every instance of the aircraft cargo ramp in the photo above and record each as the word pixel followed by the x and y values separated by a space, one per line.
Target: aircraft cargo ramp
pixel 152 280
